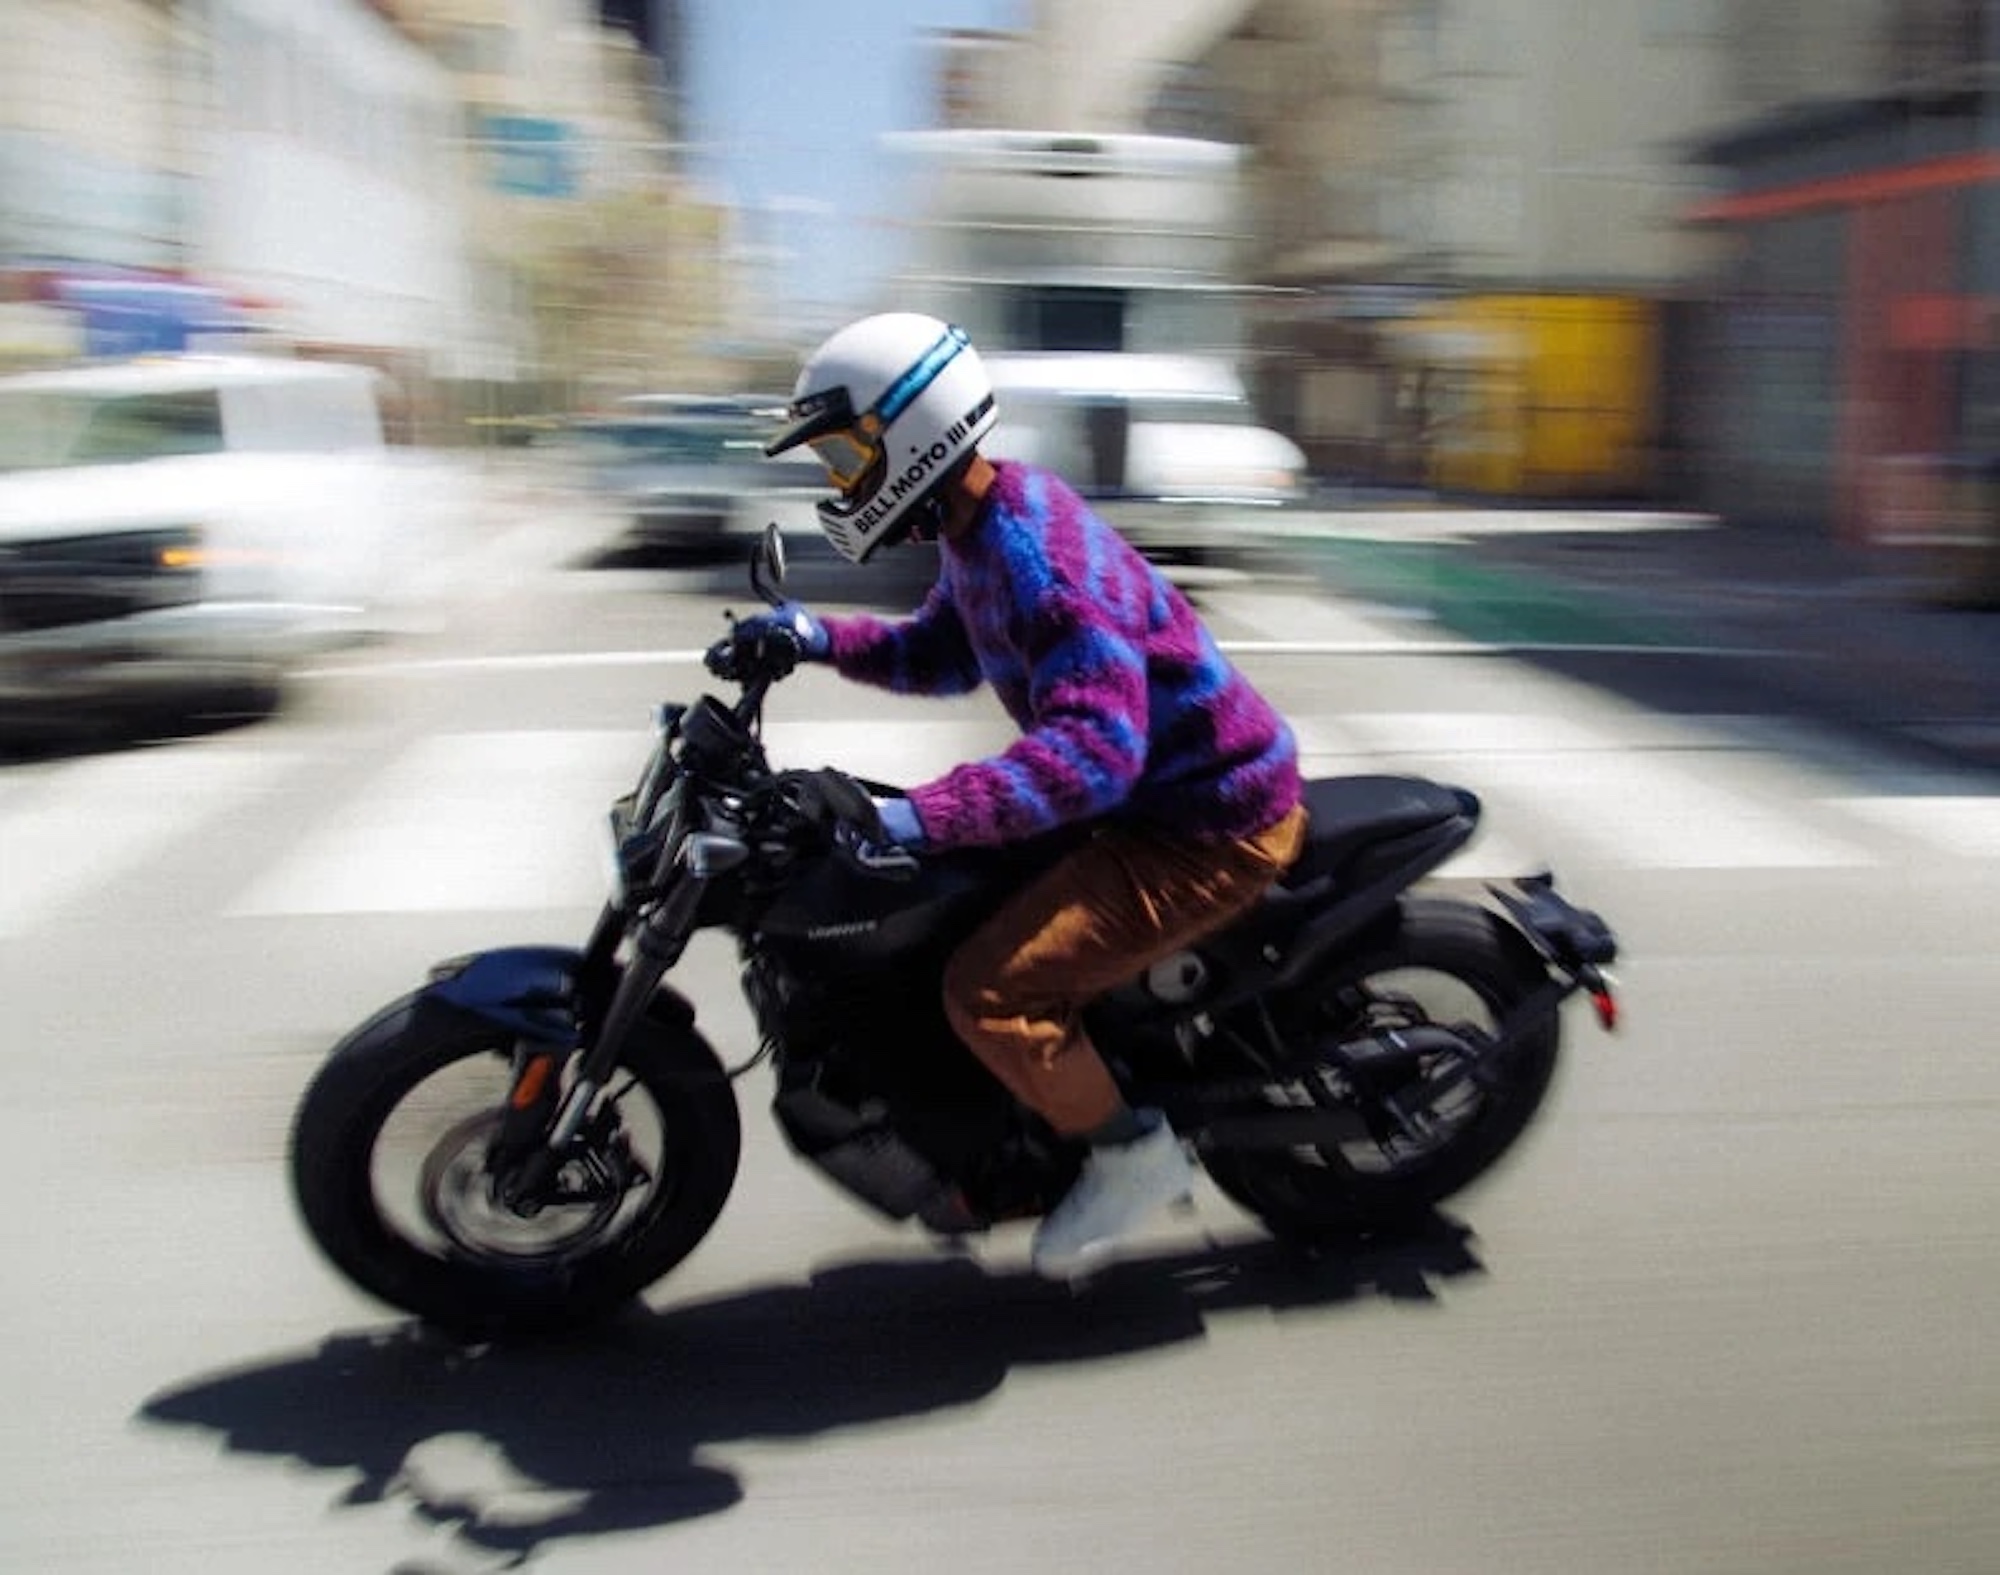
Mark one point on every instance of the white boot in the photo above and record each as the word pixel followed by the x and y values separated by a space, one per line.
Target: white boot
pixel 1121 1187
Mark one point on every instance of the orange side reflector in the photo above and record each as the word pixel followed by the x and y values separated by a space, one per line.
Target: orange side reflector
pixel 534 1078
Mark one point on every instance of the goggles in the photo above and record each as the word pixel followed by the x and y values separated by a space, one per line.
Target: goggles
pixel 849 445
pixel 850 453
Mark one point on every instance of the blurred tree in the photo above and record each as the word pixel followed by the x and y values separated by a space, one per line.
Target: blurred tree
pixel 623 292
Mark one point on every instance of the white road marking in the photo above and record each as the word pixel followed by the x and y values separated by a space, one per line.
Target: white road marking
pixel 1967 826
pixel 1447 526
pixel 1357 645
pixel 899 753
pixel 1645 811
pixel 463 822
pixel 1623 797
pixel 1449 734
pixel 1306 623
pixel 67 830
pixel 534 661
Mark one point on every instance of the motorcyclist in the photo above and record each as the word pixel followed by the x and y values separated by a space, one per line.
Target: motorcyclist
pixel 1130 717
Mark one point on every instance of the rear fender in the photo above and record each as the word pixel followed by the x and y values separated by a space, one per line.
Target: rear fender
pixel 530 992
pixel 1572 938
pixel 1340 912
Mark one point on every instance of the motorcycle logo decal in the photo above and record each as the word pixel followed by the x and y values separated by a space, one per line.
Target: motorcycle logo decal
pixel 831 932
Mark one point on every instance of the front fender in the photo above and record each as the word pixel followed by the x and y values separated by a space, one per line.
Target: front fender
pixel 530 992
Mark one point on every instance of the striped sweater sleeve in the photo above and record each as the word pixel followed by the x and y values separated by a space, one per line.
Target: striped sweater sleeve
pixel 1085 747
pixel 926 653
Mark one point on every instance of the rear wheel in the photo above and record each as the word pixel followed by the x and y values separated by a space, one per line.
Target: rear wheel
pixel 389 1165
pixel 1440 962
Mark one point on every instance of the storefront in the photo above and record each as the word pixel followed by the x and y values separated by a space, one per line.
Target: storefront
pixel 1850 370
pixel 106 312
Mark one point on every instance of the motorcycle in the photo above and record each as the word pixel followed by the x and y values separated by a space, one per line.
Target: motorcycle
pixel 537 1134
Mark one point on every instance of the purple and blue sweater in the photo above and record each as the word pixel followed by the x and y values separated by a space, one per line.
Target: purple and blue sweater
pixel 1123 700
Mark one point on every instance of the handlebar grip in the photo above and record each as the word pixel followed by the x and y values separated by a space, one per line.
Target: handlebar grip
pixel 751 652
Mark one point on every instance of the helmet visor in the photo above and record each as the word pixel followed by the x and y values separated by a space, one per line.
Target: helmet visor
pixel 846 454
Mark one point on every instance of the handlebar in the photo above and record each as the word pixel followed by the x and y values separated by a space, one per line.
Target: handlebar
pixel 754 653
pixel 757 653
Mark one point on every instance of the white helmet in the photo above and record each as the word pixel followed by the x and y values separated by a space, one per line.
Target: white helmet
pixel 891 405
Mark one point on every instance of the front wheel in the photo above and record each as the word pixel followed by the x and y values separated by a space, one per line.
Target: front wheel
pixel 389 1168
pixel 1439 962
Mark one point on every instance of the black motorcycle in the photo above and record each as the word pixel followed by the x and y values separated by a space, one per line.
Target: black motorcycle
pixel 537 1134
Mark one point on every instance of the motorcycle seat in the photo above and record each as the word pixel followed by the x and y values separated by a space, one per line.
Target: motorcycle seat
pixel 1348 816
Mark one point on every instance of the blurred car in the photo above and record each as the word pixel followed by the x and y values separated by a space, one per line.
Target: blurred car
pixel 689 473
pixel 1166 447
pixel 176 531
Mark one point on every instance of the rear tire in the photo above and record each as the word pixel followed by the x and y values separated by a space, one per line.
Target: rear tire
pixel 409 1246
pixel 1439 960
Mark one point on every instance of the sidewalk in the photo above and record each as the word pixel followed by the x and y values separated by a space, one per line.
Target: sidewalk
pixel 1864 638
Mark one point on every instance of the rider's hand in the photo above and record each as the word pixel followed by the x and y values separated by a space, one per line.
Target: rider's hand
pixel 887 848
pixel 814 642
pixel 768 644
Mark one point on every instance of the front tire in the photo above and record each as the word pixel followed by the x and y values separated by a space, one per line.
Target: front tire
pixel 387 1167
pixel 1438 961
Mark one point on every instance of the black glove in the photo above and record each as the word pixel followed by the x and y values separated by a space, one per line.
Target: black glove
pixel 835 799
pixel 755 648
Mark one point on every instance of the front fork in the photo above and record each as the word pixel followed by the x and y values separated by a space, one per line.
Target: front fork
pixel 542 1123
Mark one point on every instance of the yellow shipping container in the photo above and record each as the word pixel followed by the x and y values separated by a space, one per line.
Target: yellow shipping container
pixel 1537 396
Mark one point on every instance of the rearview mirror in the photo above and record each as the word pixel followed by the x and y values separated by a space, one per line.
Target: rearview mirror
pixel 767 565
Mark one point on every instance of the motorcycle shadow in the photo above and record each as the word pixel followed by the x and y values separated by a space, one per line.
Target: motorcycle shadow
pixel 514 1447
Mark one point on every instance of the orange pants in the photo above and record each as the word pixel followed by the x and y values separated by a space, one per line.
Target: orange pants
pixel 1119 904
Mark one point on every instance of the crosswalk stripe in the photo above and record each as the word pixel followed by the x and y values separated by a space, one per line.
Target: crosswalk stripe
pixel 1451 734
pixel 1616 799
pixel 901 754
pixel 1354 744
pixel 67 831
pixel 463 822
pixel 1645 812
pixel 1968 827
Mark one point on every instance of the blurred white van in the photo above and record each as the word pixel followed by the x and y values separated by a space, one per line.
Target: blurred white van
pixel 180 529
pixel 1166 447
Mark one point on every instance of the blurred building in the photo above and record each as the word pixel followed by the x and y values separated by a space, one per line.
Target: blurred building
pixel 1096 67
pixel 1074 241
pixel 97 150
pixel 1852 360
pixel 246 171
pixel 1465 221
pixel 659 28
pixel 328 187
pixel 477 196
pixel 98 165
pixel 1470 216
pixel 577 208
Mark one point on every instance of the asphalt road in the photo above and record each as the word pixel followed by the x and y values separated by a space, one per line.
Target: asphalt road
pixel 1726 1309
